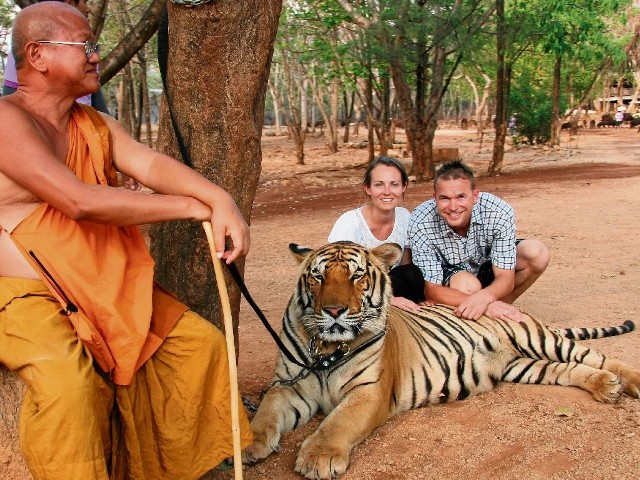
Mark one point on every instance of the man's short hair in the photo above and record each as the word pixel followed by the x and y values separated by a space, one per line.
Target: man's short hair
pixel 453 171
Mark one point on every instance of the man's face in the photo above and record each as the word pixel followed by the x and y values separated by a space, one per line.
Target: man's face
pixel 454 201
pixel 68 63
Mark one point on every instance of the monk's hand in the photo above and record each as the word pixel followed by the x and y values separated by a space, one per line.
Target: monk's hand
pixel 504 311
pixel 227 221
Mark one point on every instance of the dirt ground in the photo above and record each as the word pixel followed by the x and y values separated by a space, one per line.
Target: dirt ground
pixel 582 200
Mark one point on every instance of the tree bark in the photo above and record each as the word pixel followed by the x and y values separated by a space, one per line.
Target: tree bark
pixel 218 68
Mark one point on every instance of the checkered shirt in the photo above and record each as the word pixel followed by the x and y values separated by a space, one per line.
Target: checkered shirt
pixel 491 237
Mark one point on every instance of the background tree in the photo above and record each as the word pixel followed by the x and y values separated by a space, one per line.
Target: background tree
pixel 422 42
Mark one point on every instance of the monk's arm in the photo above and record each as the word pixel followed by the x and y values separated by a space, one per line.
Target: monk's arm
pixel 166 175
pixel 30 160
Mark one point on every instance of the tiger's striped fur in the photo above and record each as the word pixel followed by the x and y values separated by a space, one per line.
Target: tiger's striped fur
pixel 399 360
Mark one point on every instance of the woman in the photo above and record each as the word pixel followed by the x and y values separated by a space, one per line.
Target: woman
pixel 384 221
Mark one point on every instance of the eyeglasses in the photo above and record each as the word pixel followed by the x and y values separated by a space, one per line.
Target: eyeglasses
pixel 89 46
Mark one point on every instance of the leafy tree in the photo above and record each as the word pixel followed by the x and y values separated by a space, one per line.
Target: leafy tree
pixel 423 43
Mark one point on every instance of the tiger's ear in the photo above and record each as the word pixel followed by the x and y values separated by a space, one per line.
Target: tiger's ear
pixel 389 253
pixel 299 253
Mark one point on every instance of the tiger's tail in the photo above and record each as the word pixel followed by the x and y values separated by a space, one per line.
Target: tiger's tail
pixel 596 332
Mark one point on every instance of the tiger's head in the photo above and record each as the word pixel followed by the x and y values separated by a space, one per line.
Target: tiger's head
pixel 344 289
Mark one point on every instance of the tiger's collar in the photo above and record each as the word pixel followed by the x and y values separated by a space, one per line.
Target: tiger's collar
pixel 322 361
pixel 325 361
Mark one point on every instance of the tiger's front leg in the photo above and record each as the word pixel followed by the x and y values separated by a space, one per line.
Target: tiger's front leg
pixel 281 410
pixel 325 454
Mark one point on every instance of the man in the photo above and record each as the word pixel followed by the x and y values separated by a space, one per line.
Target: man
pixel 464 242
pixel 123 381
pixel 10 85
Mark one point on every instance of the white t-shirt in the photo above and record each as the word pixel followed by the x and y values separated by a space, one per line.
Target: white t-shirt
pixel 353 227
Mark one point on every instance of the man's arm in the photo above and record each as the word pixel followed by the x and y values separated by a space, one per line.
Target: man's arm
pixel 441 294
pixel 484 302
pixel 480 303
pixel 30 160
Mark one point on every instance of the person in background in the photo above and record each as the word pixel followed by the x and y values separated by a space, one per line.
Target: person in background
pixel 383 220
pixel 122 379
pixel 464 242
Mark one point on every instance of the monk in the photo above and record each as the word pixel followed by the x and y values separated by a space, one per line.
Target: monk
pixel 123 380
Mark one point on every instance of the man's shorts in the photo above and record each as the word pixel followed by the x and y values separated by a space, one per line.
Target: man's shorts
pixel 485 274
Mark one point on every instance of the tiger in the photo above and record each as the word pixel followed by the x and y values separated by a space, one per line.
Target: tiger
pixel 361 360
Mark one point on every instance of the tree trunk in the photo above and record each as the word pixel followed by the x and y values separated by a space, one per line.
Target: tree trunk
pixel 495 167
pixel 370 118
pixel 293 89
pixel 384 132
pixel 348 115
pixel 356 125
pixel 333 127
pixel 217 79
pixel 274 82
pixel 555 102
pixel 304 103
pixel 12 464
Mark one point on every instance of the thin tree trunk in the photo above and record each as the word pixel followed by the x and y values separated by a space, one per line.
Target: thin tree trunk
pixel 304 103
pixel 370 119
pixel 348 115
pixel 495 167
pixel 555 102
pixel 384 132
pixel 333 129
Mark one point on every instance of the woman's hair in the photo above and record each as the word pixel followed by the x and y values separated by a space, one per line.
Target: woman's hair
pixel 390 162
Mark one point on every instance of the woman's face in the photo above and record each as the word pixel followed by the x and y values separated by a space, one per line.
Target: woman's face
pixel 386 190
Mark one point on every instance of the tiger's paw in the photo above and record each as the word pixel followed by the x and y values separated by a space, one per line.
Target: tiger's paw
pixel 606 387
pixel 260 449
pixel 631 382
pixel 321 461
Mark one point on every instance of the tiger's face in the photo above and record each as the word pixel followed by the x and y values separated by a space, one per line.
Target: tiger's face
pixel 344 289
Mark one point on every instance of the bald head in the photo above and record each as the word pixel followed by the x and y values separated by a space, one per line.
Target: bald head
pixel 42 21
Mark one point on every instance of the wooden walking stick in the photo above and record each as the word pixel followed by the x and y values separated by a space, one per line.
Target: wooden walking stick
pixel 231 352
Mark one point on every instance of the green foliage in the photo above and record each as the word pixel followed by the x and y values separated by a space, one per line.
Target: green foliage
pixel 530 100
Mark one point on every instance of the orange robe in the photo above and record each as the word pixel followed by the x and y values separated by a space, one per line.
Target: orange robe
pixel 169 415
pixel 106 271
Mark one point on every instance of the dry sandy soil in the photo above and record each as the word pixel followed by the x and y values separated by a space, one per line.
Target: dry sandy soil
pixel 582 200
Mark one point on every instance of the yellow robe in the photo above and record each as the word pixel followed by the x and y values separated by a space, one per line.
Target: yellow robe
pixel 170 417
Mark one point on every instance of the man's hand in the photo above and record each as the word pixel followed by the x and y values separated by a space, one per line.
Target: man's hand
pixel 474 306
pixel 227 221
pixel 504 311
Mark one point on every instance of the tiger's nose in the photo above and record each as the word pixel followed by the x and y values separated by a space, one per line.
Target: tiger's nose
pixel 335 312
